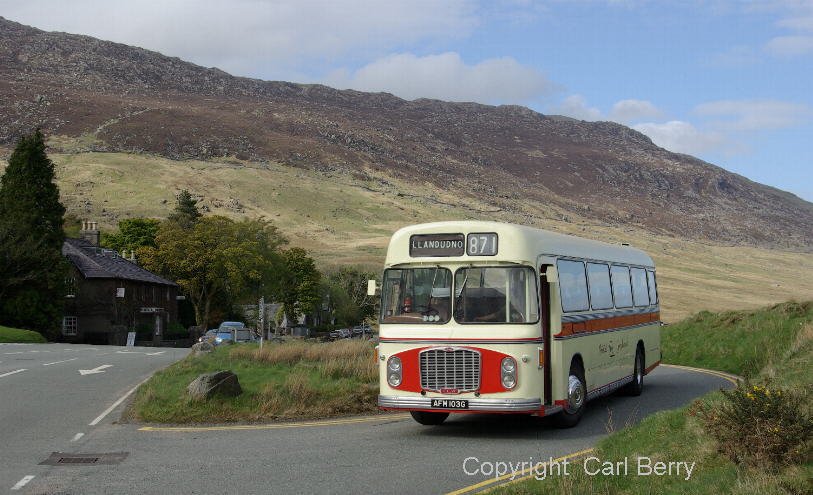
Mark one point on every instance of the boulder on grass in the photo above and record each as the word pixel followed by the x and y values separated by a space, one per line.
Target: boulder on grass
pixel 202 348
pixel 218 383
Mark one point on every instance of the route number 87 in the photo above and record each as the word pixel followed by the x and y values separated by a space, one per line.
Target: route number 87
pixel 481 245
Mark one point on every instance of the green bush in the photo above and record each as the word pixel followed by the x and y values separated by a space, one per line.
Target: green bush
pixel 19 335
pixel 144 331
pixel 760 426
pixel 175 331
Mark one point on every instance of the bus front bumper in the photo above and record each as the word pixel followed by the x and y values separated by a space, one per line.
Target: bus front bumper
pixel 474 405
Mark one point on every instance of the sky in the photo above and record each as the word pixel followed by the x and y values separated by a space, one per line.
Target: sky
pixel 728 81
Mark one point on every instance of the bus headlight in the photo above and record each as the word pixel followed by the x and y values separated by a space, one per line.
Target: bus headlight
pixel 508 367
pixel 394 371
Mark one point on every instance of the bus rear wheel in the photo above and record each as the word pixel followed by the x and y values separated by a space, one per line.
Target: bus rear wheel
pixel 577 398
pixel 636 386
pixel 429 418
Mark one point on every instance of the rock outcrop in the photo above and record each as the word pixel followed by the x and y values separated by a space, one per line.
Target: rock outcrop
pixel 223 383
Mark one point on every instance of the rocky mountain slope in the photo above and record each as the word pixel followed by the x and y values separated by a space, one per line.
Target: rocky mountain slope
pixel 111 97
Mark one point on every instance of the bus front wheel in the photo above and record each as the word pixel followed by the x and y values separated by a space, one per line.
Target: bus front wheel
pixel 576 398
pixel 429 418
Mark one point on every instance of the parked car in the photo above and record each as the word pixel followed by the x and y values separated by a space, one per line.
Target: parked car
pixel 361 330
pixel 342 333
pixel 234 330
pixel 210 334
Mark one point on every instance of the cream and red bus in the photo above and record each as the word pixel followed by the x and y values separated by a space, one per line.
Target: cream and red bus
pixel 487 317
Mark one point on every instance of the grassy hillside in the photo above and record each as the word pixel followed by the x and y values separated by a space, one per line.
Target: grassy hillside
pixel 778 340
pixel 10 335
pixel 739 342
pixel 346 217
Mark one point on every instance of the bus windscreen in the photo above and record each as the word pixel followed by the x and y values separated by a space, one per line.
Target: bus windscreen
pixel 496 295
pixel 416 295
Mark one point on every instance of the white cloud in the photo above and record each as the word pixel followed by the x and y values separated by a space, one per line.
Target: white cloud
pixel 624 111
pixel 255 37
pixel 799 23
pixel 754 115
pixel 790 46
pixel 629 111
pixel 447 77
pixel 683 137
pixel 575 106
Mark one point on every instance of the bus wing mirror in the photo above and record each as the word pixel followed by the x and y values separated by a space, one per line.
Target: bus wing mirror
pixel 371 287
pixel 552 275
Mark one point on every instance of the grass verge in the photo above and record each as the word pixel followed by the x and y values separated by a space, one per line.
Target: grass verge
pixel 283 381
pixel 16 335
pixel 779 342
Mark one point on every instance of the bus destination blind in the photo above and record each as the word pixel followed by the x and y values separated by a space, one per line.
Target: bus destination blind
pixel 426 245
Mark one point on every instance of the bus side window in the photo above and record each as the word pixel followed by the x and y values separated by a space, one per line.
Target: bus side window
pixel 640 294
pixel 573 286
pixel 622 293
pixel 601 296
pixel 653 287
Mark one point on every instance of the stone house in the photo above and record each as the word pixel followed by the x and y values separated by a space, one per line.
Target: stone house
pixel 110 295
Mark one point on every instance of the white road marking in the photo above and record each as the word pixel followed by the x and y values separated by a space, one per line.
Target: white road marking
pixel 77 437
pixel 57 362
pixel 12 372
pixel 98 369
pixel 115 404
pixel 140 352
pixel 22 482
pixel 19 352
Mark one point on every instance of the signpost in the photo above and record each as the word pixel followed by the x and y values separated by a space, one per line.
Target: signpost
pixel 131 339
pixel 262 321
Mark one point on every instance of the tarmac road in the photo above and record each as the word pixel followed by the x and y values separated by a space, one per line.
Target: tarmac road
pixel 45 401
pixel 386 453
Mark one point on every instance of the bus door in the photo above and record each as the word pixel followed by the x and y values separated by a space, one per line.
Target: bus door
pixel 545 309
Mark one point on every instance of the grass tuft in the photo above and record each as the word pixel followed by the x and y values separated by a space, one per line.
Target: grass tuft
pixel 283 381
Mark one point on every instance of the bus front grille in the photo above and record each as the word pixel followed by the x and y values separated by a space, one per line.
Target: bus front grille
pixel 450 369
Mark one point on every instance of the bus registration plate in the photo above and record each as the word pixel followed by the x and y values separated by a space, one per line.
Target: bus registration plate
pixel 450 403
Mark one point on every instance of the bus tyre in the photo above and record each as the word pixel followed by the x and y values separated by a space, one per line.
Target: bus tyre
pixel 636 386
pixel 429 418
pixel 577 398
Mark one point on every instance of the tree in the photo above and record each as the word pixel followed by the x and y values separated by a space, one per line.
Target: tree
pixel 186 211
pixel 215 258
pixel 133 233
pixel 352 281
pixel 300 289
pixel 31 238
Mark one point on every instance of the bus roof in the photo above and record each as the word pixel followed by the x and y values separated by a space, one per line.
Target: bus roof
pixel 517 243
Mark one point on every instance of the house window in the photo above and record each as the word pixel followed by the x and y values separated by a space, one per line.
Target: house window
pixel 69 325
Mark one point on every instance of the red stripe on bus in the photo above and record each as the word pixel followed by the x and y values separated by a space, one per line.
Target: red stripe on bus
pixel 646 371
pixel 607 323
pixel 385 339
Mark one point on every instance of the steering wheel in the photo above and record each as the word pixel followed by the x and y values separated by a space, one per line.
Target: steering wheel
pixel 430 312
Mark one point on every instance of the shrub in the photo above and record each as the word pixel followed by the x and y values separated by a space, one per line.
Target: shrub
pixel 760 426
pixel 175 331
pixel 144 331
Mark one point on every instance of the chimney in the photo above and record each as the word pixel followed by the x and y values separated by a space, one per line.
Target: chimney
pixel 89 232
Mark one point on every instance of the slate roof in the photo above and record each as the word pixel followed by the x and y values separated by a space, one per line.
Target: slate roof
pixel 95 262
